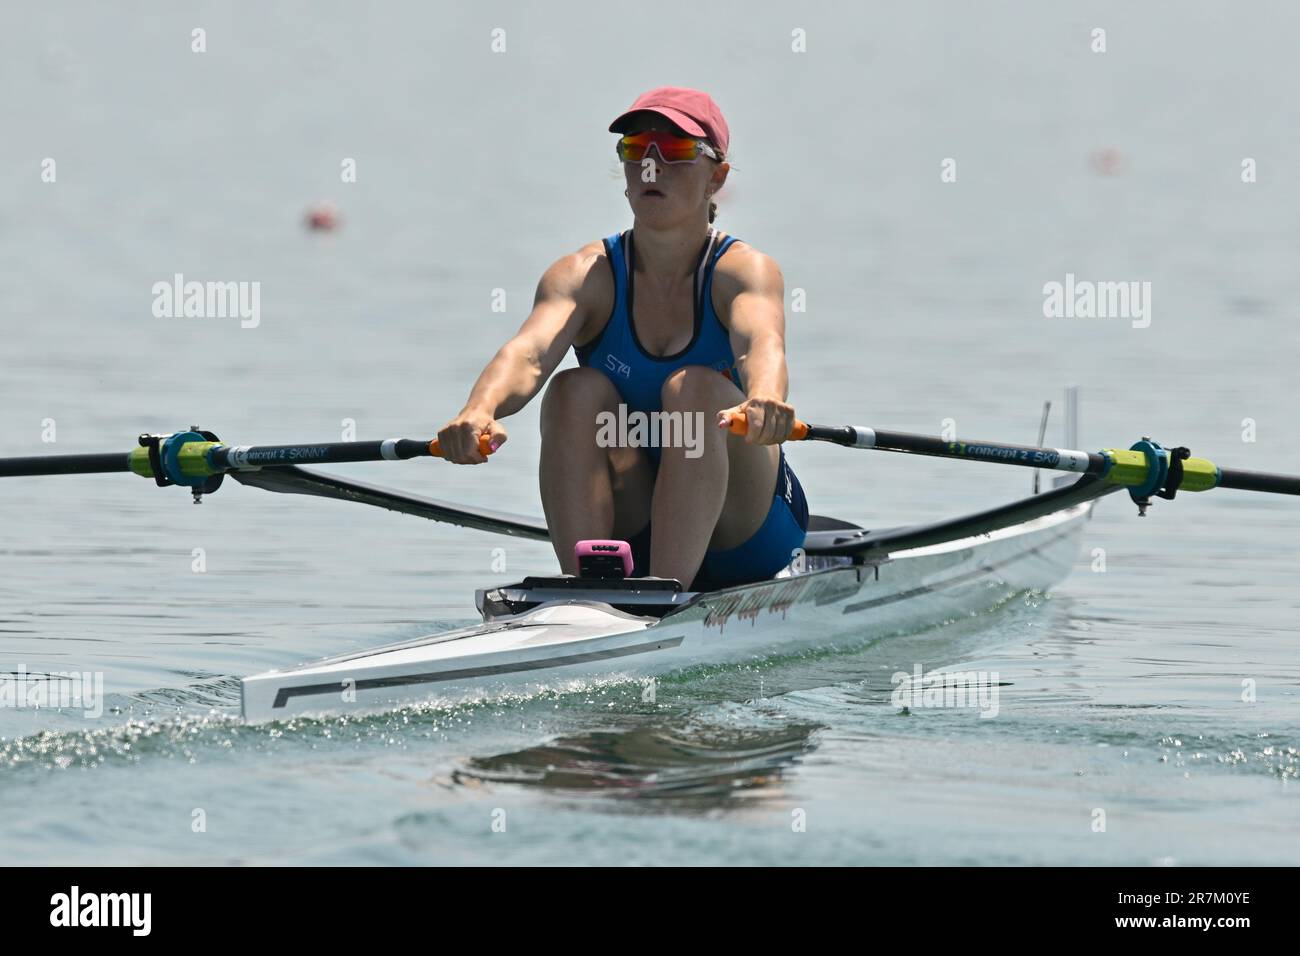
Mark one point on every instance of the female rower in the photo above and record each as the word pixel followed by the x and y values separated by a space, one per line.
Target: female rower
pixel 670 316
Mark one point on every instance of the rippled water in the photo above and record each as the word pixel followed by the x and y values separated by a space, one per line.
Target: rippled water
pixel 1161 694
pixel 725 764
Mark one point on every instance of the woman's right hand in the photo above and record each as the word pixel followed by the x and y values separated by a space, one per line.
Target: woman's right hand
pixel 459 438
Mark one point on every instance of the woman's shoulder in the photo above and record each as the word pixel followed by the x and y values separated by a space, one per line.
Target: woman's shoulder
pixel 584 278
pixel 582 269
pixel 743 267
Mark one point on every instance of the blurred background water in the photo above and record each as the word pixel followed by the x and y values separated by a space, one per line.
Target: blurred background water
pixel 476 169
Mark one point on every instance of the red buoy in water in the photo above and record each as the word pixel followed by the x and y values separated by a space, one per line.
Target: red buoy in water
pixel 322 216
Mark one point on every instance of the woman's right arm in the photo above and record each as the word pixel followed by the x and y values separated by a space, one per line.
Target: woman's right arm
pixel 521 366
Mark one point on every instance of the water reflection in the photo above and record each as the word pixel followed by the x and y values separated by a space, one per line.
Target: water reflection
pixel 675 766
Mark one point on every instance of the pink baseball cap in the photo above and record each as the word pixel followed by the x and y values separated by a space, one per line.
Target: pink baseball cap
pixel 692 111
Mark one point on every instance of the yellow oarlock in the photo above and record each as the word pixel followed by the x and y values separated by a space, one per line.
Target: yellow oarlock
pixel 1199 474
pixel 1128 467
pixel 192 459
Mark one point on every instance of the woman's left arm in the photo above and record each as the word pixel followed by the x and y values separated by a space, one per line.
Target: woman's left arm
pixel 755 318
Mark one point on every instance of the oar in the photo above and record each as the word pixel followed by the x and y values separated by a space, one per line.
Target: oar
pixel 299 481
pixel 196 458
pixel 1145 469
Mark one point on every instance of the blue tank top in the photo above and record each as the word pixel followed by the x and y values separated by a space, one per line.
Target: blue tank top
pixel 618 353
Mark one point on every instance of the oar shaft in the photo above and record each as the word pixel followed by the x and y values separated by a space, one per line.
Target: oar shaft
pixel 64 464
pixel 1259 481
pixel 1146 468
pixel 1028 456
pixel 223 457
pixel 190 457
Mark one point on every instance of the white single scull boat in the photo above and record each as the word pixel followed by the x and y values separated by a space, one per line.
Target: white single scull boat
pixel 545 632
pixel 852 585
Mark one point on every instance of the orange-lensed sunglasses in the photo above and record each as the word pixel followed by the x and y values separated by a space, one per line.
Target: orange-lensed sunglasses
pixel 634 147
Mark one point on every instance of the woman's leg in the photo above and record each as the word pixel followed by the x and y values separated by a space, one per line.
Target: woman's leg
pixel 588 491
pixel 714 501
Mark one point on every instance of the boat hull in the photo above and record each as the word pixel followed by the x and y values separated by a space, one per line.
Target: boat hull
pixel 561 643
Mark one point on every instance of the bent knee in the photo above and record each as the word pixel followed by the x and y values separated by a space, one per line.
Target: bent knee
pixel 580 386
pixel 576 396
pixel 697 386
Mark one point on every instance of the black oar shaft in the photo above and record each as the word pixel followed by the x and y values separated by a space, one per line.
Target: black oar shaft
pixel 64 465
pixel 1259 481
pixel 265 456
pixel 1027 456
pixel 1146 468
pixel 193 457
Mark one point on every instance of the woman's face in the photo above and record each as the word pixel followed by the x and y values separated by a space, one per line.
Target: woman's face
pixel 669 194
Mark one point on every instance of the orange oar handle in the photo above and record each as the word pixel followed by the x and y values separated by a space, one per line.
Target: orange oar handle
pixel 739 425
pixel 484 446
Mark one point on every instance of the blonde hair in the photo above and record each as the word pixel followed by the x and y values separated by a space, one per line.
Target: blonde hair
pixel 713 206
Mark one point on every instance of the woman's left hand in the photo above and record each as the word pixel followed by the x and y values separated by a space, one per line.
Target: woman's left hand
pixel 770 420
